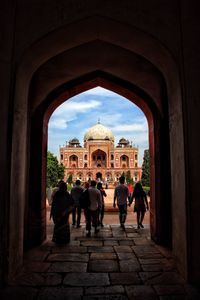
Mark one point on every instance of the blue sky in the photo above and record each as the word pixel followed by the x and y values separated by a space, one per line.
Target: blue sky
pixel 72 118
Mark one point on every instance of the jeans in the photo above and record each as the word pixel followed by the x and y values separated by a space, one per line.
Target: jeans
pixel 122 213
pixel 91 217
pixel 76 211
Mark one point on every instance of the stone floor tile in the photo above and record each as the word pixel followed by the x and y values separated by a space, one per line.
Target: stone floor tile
pixel 103 255
pixel 103 249
pixel 105 297
pixel 36 267
pixel 146 249
pixel 38 279
pixel 126 256
pixel 131 234
pixel 124 278
pixel 119 234
pixel 86 279
pixel 152 261
pixel 148 255
pixel 165 278
pixel 133 230
pixel 130 265
pixel 145 276
pixel 175 297
pixel 138 292
pixel 124 249
pixel 146 252
pixel 168 264
pixel 105 266
pixel 81 257
pixel 70 249
pixel 111 242
pixel 105 234
pixel 47 245
pixel 130 228
pixel 69 266
pixel 142 241
pixel 165 251
pixel 60 293
pixel 126 242
pixel 94 290
pixel 75 243
pixel 36 255
pixel 88 242
pixel 18 293
pixel 152 268
pixel 169 289
pixel 163 264
pixel 114 289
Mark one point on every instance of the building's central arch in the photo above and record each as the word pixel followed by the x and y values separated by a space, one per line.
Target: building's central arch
pixel 99 176
pixel 98 159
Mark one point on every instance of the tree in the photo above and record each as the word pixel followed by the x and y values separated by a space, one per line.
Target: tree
pixel 61 171
pixel 128 176
pixel 70 179
pixel 123 174
pixel 55 171
pixel 145 169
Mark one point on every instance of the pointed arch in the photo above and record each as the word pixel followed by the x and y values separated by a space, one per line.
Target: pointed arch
pixel 156 87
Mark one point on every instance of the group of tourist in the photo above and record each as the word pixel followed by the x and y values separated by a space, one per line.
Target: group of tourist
pixel 91 200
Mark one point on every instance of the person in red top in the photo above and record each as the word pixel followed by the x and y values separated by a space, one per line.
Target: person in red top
pixel 130 191
pixel 103 194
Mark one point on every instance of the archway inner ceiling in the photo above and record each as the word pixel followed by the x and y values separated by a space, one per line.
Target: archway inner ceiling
pixel 93 57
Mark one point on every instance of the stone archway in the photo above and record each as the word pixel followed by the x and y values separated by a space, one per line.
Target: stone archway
pixel 150 91
pixel 160 221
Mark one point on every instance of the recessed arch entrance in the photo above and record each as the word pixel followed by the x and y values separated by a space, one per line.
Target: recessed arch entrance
pixel 143 76
pixel 159 226
pixel 99 159
pixel 98 176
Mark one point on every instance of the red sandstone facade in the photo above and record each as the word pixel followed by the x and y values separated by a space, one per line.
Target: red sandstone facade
pixel 99 159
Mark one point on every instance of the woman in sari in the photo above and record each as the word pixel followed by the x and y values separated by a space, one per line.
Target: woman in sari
pixel 62 206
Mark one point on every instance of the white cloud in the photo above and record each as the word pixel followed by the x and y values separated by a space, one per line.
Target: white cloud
pixel 70 111
pixel 74 107
pixel 58 123
pixel 129 128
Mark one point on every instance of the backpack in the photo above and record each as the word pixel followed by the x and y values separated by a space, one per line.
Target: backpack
pixel 85 199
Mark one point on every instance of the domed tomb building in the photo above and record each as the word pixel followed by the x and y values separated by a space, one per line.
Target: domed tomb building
pixel 99 159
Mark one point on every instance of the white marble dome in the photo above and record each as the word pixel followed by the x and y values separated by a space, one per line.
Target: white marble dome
pixel 99 132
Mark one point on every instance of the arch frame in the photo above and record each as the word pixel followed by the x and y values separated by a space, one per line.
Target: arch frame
pixel 131 39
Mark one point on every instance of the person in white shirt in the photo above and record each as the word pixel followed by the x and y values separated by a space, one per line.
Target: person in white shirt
pixel 121 194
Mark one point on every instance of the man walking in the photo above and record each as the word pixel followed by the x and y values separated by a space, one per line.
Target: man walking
pixel 76 193
pixel 92 211
pixel 121 194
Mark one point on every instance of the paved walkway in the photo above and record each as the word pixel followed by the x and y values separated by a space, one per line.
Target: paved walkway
pixel 113 264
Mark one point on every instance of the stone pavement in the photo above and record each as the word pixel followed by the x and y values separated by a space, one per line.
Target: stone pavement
pixel 113 264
